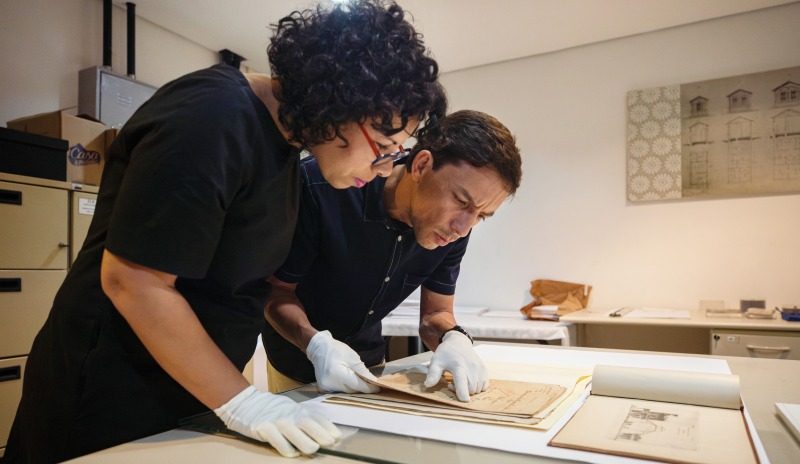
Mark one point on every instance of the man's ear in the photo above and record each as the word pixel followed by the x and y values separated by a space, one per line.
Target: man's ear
pixel 423 162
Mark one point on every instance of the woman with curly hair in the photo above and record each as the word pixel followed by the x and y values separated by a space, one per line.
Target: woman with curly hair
pixel 160 312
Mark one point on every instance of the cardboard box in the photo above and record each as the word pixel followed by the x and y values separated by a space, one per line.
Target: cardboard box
pixel 33 155
pixel 88 142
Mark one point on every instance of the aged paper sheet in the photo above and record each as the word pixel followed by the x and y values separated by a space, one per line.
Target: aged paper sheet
pixel 515 439
pixel 502 396
pixel 657 430
pixel 549 391
pixel 671 416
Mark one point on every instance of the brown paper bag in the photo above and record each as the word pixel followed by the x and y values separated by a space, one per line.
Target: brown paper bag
pixel 567 296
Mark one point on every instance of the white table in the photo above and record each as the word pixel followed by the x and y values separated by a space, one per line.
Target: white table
pixel 763 382
pixel 495 325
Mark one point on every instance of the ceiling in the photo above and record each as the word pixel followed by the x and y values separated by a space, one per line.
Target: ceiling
pixel 460 33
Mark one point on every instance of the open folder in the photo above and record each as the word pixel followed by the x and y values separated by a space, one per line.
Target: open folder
pixel 670 416
pixel 513 400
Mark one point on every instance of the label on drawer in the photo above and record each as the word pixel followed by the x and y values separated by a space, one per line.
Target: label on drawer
pixel 86 206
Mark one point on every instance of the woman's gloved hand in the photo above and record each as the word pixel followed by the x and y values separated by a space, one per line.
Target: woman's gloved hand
pixel 285 424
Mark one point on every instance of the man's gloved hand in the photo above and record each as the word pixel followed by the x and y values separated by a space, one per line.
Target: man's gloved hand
pixel 336 364
pixel 455 354
pixel 286 425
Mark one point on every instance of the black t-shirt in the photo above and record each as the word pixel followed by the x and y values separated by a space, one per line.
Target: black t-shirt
pixel 353 264
pixel 201 184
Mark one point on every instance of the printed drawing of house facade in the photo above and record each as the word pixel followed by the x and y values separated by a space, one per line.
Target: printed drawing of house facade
pixel 699 145
pixel 739 140
pixel 786 131
pixel 698 139
pixel 741 135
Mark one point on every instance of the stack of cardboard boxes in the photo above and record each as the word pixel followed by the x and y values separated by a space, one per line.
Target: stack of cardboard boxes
pixel 88 142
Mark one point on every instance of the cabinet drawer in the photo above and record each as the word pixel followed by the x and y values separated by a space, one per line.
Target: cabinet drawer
pixel 34 231
pixel 11 372
pixel 753 344
pixel 25 301
pixel 81 217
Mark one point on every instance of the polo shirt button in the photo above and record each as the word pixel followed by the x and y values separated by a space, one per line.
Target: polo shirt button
pixel 387 279
pixel 371 312
pixel 399 238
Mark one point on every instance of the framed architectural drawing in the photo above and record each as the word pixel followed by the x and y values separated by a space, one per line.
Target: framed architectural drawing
pixel 736 136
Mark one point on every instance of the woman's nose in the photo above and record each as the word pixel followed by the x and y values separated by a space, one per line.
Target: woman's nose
pixel 382 169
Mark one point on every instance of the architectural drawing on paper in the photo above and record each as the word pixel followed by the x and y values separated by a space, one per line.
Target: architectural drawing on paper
pixel 659 428
pixel 786 130
pixel 724 137
pixel 740 150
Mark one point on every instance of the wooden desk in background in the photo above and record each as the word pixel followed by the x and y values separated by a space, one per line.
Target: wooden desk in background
pixel 760 338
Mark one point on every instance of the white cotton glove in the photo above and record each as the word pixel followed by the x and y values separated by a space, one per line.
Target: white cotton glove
pixel 456 355
pixel 286 425
pixel 336 365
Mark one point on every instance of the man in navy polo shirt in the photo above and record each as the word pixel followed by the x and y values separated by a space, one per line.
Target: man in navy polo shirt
pixel 358 253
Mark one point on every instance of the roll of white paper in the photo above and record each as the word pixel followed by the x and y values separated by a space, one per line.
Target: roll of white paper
pixel 702 389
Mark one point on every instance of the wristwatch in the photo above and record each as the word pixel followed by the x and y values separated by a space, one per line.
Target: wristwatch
pixel 457 328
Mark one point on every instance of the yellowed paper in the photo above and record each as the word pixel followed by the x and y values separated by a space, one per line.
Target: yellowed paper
pixel 662 431
pixel 388 400
pixel 572 380
pixel 419 410
pixel 671 416
pixel 502 396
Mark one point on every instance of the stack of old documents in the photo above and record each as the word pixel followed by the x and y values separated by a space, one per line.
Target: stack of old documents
pixel 508 401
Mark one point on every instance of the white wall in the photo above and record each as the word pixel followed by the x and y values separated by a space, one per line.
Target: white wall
pixel 570 219
pixel 44 43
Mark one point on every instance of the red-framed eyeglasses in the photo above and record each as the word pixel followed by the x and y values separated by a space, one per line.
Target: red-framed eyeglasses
pixel 387 157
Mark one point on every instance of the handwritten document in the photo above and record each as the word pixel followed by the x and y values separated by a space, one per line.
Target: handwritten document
pixel 502 396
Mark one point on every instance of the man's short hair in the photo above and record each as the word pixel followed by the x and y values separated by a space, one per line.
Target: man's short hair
pixel 475 138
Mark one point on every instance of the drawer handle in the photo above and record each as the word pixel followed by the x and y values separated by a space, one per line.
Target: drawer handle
pixel 10 373
pixel 10 197
pixel 779 349
pixel 10 284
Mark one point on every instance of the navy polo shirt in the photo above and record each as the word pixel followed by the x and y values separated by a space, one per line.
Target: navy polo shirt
pixel 353 264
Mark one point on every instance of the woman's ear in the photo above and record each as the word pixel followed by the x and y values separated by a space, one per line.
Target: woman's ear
pixel 423 162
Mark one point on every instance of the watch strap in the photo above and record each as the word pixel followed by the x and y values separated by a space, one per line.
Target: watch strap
pixel 456 328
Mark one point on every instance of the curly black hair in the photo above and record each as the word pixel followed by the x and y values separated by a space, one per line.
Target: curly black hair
pixel 356 61
pixel 475 138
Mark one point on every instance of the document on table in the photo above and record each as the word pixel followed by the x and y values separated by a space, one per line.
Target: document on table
pixel 672 416
pixel 657 313
pixel 525 440
pixel 502 396
pixel 507 401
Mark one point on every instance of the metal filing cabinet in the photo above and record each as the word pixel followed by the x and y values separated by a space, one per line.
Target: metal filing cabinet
pixel 756 344
pixel 81 212
pixel 42 225
pixel 11 372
